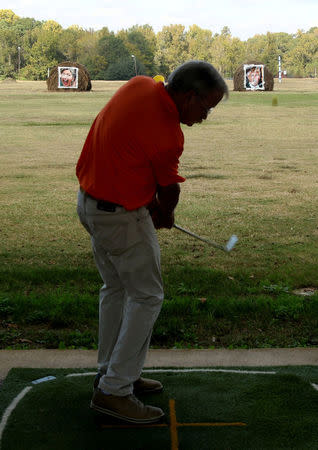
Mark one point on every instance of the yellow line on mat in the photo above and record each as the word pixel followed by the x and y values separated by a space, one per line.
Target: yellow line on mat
pixel 212 424
pixel 173 425
pixel 137 425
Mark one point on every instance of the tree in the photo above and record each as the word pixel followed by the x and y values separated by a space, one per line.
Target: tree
pixel 112 49
pixel 226 31
pixel 15 41
pixel 140 41
pixel 270 55
pixel 312 66
pixel 255 48
pixel 34 46
pixel 235 51
pixel 69 42
pixel 88 54
pixel 285 43
pixel 172 48
pixel 124 69
pixel 221 43
pixel 200 43
pixel 45 51
pixel 8 43
pixel 303 57
pixel 8 16
pixel 25 41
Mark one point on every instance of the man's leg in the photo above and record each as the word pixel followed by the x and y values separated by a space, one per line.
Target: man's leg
pixel 138 268
pixel 112 298
pixel 127 255
pixel 112 295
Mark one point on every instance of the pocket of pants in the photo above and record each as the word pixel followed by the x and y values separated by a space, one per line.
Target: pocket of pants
pixel 82 218
pixel 115 233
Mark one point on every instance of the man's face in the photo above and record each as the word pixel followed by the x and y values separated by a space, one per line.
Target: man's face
pixel 195 108
pixel 67 77
pixel 254 76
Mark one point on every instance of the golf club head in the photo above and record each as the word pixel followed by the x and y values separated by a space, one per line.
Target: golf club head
pixel 231 243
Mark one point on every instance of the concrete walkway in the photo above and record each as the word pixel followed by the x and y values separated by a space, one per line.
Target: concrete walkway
pixel 161 358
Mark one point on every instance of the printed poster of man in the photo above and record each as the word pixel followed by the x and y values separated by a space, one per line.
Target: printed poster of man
pixel 254 77
pixel 68 77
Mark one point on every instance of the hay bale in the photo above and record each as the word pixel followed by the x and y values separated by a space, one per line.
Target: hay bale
pixel 239 77
pixel 69 76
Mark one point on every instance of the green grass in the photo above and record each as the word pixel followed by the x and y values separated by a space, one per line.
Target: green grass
pixel 58 308
pixel 279 411
pixel 251 170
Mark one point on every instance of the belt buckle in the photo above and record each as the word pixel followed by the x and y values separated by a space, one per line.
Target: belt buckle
pixel 102 205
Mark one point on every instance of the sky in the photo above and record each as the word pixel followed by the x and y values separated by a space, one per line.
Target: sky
pixel 244 18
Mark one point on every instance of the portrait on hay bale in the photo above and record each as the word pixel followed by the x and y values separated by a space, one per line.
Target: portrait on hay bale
pixel 69 76
pixel 253 76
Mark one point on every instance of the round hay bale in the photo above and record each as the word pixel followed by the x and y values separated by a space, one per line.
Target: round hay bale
pixel 239 77
pixel 69 76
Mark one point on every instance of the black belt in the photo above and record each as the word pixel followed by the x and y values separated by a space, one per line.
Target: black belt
pixel 103 205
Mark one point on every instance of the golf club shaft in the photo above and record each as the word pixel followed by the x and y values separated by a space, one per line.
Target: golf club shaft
pixel 213 244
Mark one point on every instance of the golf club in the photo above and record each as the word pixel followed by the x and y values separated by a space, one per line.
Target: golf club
pixel 226 248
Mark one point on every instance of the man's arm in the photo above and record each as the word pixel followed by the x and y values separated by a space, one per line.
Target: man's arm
pixel 162 211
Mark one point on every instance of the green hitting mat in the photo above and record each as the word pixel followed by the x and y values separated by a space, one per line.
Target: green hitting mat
pixel 254 408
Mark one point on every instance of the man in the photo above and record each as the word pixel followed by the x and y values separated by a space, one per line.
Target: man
pixel 130 160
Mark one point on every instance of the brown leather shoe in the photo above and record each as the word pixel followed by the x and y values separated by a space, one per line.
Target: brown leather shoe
pixel 147 386
pixel 127 408
pixel 141 386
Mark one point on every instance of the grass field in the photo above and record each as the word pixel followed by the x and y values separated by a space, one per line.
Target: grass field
pixel 251 169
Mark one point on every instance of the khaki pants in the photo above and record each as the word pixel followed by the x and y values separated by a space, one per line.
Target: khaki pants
pixel 127 256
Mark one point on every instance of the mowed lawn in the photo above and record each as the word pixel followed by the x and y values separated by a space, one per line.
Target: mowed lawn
pixel 251 169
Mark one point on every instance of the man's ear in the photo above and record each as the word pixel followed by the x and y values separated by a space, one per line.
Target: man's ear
pixel 183 100
pixel 188 96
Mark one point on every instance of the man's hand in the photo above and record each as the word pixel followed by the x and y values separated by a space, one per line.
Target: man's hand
pixel 161 221
pixel 162 208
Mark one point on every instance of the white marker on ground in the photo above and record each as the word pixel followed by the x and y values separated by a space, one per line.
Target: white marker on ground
pixel 11 407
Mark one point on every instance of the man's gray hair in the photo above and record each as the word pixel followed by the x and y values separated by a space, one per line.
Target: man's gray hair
pixel 199 76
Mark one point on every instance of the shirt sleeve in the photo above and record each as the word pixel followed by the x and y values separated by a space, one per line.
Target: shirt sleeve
pixel 165 166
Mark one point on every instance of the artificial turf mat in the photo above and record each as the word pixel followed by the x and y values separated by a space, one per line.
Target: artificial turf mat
pixel 275 411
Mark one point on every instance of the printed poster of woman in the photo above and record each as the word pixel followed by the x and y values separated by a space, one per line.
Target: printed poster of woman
pixel 254 77
pixel 68 77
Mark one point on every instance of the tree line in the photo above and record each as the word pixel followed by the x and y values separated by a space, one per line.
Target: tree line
pixel 28 48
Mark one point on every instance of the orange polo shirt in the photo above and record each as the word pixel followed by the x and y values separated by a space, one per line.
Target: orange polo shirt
pixel 133 145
